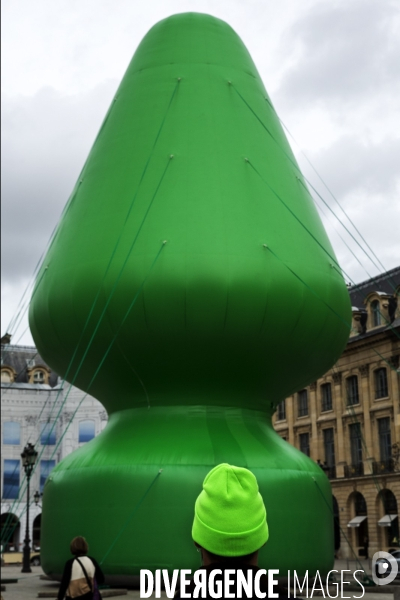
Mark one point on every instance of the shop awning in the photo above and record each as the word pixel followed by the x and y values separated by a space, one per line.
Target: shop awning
pixel 387 520
pixel 356 522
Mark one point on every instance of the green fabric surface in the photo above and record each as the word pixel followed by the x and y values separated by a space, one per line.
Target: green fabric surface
pixel 210 321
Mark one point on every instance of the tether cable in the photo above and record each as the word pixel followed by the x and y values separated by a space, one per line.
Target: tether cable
pixel 248 161
pixel 93 377
pixel 293 162
pixel 326 186
pixel 111 258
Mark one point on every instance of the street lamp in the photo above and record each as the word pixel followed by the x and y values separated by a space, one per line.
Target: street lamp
pixel 29 456
pixel 36 497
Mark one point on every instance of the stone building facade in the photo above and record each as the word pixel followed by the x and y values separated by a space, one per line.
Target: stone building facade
pixel 37 408
pixel 349 422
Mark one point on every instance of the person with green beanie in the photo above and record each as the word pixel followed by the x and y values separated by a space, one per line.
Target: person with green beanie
pixel 229 528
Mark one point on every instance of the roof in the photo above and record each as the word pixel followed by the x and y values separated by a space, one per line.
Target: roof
pixel 18 358
pixel 387 283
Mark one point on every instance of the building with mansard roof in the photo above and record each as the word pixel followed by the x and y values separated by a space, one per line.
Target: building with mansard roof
pixel 36 407
pixel 349 421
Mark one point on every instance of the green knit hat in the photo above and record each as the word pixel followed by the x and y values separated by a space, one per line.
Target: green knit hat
pixel 229 515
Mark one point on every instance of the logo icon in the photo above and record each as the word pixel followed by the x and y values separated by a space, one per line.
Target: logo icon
pixel 384 568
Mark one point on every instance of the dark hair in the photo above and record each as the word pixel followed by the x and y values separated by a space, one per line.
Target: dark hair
pixel 244 558
pixel 79 546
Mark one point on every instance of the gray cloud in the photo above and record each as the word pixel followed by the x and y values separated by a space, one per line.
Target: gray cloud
pixel 343 50
pixel 353 166
pixel 45 141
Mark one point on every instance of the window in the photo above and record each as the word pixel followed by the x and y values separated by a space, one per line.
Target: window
pixel 302 403
pixel 360 505
pixel 11 479
pixel 48 434
pixel 11 433
pixel 389 502
pixel 376 313
pixel 6 376
pixel 304 442
pixel 385 438
pixel 38 377
pixel 355 443
pixel 381 385
pixel 329 446
pixel 326 391
pixel 86 431
pixel 45 467
pixel 281 412
pixel 352 390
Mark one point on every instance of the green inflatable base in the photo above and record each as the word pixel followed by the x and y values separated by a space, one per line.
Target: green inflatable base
pixel 131 491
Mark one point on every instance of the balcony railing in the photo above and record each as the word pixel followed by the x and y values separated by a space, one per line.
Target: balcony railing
pixel 354 470
pixel 383 466
pixel 331 472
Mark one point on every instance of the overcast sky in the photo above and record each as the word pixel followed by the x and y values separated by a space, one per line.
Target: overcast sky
pixel 331 68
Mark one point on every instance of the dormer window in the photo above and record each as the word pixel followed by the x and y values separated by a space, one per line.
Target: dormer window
pixel 7 374
pixel 377 305
pixel 376 313
pixel 39 375
pixel 359 321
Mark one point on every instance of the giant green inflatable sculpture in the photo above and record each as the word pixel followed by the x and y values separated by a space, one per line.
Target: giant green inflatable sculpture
pixel 190 287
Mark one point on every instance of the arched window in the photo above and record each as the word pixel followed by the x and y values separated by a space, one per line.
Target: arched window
pixel 359 521
pixel 360 504
pixel 352 390
pixel 6 376
pixel 336 523
pixel 10 527
pixel 389 521
pixel 376 313
pixel 37 374
pixel 37 523
pixel 86 431
pixel 11 433
pixel 389 502
pixel 38 377
pixel 381 384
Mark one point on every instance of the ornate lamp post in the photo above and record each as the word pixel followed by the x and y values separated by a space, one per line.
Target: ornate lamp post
pixel 29 456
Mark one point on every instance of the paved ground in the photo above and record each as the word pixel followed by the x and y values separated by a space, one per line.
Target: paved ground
pixel 30 584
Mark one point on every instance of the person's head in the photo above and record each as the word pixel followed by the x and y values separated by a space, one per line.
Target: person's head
pixel 230 520
pixel 79 546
